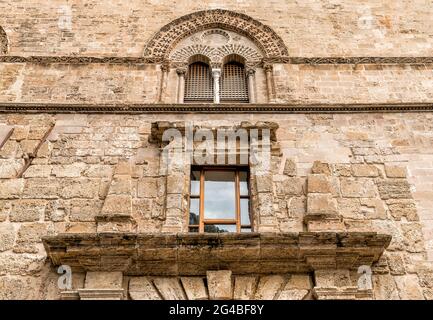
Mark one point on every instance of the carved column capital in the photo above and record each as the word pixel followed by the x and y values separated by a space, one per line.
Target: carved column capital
pixel 165 66
pixel 268 67
pixel 181 71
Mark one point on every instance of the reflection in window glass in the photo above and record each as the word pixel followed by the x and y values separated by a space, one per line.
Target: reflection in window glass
pixel 243 184
pixel 245 212
pixel 219 195
pixel 246 230
pixel 218 228
pixel 195 183
pixel 194 212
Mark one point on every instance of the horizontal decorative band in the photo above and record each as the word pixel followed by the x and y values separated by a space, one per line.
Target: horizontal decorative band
pixel 213 108
pixel 153 60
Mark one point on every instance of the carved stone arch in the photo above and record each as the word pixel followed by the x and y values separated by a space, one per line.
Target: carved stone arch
pixel 3 41
pixel 160 46
pixel 216 54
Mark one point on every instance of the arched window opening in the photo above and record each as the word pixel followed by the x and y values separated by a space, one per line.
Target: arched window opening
pixel 199 83
pixel 234 86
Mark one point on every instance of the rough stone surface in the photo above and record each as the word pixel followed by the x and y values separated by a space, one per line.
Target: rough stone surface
pixel 103 171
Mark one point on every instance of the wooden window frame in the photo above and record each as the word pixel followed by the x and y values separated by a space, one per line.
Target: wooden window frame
pixel 238 197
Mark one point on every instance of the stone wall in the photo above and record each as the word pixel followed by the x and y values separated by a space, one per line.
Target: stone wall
pixel 58 172
pixel 138 83
pixel 309 28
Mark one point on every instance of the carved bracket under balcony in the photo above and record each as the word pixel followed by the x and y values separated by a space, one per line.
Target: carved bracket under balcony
pixel 194 254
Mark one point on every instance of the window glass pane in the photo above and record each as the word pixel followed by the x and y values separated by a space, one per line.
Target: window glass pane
pixel 218 228
pixel 194 211
pixel 195 183
pixel 246 230
pixel 245 211
pixel 243 183
pixel 193 229
pixel 219 195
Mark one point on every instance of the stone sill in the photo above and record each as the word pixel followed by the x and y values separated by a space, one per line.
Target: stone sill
pixel 175 254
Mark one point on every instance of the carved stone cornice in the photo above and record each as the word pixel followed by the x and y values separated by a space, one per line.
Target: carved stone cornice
pixel 138 108
pixel 159 60
pixel 193 254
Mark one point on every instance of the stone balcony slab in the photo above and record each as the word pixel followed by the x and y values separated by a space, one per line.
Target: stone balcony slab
pixel 182 254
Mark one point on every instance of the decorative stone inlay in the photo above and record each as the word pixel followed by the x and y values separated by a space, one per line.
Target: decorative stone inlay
pixel 142 108
pixel 264 37
pixel 194 254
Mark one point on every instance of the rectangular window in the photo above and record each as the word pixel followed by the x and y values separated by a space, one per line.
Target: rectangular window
pixel 219 200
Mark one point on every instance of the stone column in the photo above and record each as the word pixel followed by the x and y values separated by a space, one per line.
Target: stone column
pixel 181 84
pixel 269 81
pixel 250 79
pixel 216 74
pixel 165 68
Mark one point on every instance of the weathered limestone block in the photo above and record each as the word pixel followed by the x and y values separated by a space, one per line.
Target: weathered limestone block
pixel 372 209
pixel 41 188
pixel 400 208
pixel 321 168
pixel 37 171
pixel 414 240
pixel 357 188
pixel 5 208
pixel 13 264
pixel 265 201
pixel 290 186
pixel 140 288
pixel 17 288
pixel 297 288
pixel 396 263
pixel 264 183
pixel 170 288
pixel 103 280
pixel 117 205
pixel 408 287
pixel 321 204
pixel 394 189
pixel 9 168
pixel 147 188
pixel 7 236
pixel 29 235
pixel 364 170
pixel 80 188
pixel 395 171
pixel 175 184
pixel 220 285
pixel 269 286
pixel 74 170
pixel 290 168
pixel 27 210
pixel 332 278
pixel 11 188
pixel 245 287
pixel 84 209
pixel 320 183
pixel 5 133
pixel 194 288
